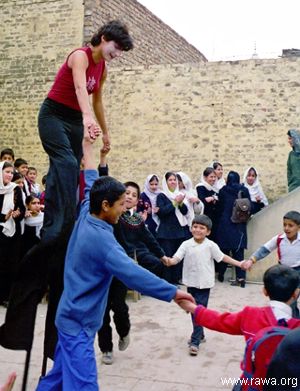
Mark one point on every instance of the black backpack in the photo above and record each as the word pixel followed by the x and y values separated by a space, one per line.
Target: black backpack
pixel 241 210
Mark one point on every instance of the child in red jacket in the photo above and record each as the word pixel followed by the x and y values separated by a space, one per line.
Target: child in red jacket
pixel 280 285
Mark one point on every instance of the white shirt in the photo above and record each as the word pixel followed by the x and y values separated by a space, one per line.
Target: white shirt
pixel 198 265
pixel 281 310
pixel 289 251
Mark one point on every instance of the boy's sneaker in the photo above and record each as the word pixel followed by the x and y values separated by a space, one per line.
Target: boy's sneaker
pixel 124 342
pixel 193 350
pixel 107 358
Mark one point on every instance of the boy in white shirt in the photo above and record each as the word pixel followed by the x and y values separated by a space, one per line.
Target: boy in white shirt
pixel 198 273
pixel 287 245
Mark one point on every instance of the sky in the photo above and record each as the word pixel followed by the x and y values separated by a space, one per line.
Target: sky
pixel 233 29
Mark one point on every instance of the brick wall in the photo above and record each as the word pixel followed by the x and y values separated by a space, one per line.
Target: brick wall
pixel 155 42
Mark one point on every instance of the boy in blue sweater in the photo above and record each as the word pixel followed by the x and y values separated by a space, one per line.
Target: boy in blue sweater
pixel 93 258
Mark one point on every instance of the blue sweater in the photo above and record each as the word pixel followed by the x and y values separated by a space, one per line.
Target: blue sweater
pixel 93 258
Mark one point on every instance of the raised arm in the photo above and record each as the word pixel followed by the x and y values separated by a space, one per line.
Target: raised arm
pixel 78 62
pixel 99 111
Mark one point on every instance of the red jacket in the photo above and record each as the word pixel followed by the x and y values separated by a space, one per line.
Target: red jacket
pixel 246 322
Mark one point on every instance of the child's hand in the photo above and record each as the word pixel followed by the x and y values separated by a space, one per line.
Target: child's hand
pixel 183 298
pixel 9 382
pixel 104 150
pixel 179 198
pixel 187 306
pixel 246 264
pixel 165 260
pixel 28 213
pixel 15 213
pixel 144 214
pixel 155 209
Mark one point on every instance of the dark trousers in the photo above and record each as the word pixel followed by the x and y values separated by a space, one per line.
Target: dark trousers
pixel 151 263
pixel 201 296
pixel 61 133
pixel 239 256
pixel 117 303
pixel 294 305
pixel 172 274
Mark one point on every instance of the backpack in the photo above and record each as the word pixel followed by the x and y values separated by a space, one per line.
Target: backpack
pixel 241 210
pixel 258 354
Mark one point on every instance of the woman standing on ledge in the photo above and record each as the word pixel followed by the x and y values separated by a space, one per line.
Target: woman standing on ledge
pixel 66 114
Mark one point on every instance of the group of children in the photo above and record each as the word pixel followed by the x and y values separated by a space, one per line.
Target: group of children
pixel 134 216
pixel 21 216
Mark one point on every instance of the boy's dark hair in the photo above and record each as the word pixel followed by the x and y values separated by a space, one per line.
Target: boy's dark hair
pixel 293 215
pixel 135 186
pixel 280 282
pixel 203 220
pixel 7 151
pixel 32 169
pixel 114 31
pixel 208 171
pixel 105 188
pixel 19 162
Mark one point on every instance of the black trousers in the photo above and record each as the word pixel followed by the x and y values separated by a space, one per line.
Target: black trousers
pixel 236 254
pixel 61 132
pixel 116 302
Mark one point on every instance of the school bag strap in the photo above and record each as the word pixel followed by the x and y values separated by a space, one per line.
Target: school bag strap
pixel 278 240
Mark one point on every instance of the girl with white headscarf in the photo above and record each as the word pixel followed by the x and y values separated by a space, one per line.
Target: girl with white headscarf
pixel 173 228
pixel 12 211
pixel 147 203
pixel 193 203
pixel 257 195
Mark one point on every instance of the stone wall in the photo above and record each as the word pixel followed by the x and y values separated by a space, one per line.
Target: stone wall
pixel 181 117
pixel 162 117
pixel 155 42
pixel 36 36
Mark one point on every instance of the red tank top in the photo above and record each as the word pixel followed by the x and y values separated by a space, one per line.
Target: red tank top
pixel 63 90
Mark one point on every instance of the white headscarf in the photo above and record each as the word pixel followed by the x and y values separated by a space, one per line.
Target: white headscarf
pixel 171 195
pixel 9 226
pixel 189 192
pixel 255 189
pixel 152 195
pixel 35 221
pixel 220 182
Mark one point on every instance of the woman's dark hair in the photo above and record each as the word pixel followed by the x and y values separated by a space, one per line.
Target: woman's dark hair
pixel 233 178
pixel 135 186
pixel 114 31
pixel 208 171
pixel 154 178
pixel 281 282
pixel 7 164
pixel 170 173
pixel 30 198
pixel 252 169
pixel 216 165
pixel 105 188
pixel 179 177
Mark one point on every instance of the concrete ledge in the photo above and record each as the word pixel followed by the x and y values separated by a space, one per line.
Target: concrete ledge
pixel 266 224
